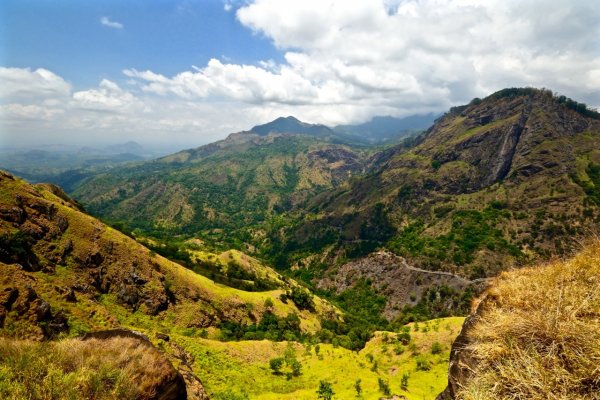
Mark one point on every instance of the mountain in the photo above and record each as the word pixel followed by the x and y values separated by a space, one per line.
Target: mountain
pixel 230 185
pixel 496 183
pixel 292 125
pixel 499 182
pixel 387 129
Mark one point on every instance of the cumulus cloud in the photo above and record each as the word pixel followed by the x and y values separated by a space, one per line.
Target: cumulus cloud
pixel 111 24
pixel 39 107
pixel 349 62
pixel 107 97
pixel 23 83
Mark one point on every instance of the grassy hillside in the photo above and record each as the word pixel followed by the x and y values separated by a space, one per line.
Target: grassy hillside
pixel 536 334
pixel 94 277
pixel 76 369
pixel 242 368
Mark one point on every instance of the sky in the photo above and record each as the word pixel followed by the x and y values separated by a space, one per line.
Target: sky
pixel 189 72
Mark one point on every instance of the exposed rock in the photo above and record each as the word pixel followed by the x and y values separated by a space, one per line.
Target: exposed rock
pixel 195 390
pixel 394 278
pixel 163 337
pixel 20 302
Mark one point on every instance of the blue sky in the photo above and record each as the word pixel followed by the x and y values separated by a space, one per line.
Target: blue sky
pixel 187 72
pixel 68 38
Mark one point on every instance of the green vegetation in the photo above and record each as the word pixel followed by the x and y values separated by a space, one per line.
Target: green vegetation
pixel 247 366
pixel 325 391
pixel 470 231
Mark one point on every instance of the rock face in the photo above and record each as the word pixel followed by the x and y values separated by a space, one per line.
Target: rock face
pixel 461 362
pixel 394 278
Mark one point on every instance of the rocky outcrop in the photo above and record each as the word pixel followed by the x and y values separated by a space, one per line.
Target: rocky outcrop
pixel 392 277
pixel 21 307
pixel 172 387
pixel 461 362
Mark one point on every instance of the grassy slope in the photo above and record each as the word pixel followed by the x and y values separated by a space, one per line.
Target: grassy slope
pixel 243 367
pixel 196 295
pixel 537 335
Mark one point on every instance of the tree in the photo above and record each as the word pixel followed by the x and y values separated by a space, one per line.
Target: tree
pixel 276 364
pixel 325 391
pixel 404 381
pixel 295 366
pixel 358 387
pixel 384 387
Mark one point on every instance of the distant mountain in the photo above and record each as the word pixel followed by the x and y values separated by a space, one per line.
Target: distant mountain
pixel 232 185
pixel 130 147
pixel 384 129
pixel 292 125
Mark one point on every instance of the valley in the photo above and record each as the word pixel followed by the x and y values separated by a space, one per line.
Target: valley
pixel 287 261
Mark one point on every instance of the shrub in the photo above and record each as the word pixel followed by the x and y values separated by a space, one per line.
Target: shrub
pixel 384 386
pixel 276 364
pixel 404 381
pixel 423 364
pixel 436 348
pixel 325 391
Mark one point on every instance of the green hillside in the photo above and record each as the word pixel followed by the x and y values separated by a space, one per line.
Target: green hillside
pixel 495 183
pixel 217 192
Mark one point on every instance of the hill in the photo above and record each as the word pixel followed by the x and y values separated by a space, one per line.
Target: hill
pixel 387 129
pixel 218 191
pixel 292 125
pixel 534 335
pixel 500 181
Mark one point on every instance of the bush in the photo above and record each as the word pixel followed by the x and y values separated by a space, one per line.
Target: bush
pixel 384 386
pixel 404 381
pixel 276 364
pixel 423 364
pixel 436 348
pixel 325 391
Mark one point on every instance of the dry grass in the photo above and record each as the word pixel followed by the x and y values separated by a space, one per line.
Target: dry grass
pixel 538 336
pixel 117 368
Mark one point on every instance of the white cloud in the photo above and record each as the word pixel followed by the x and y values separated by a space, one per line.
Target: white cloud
pixel 39 107
pixel 111 24
pixel 345 63
pixel 19 83
pixel 108 97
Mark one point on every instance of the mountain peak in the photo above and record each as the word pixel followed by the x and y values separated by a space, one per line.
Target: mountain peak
pixel 292 125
